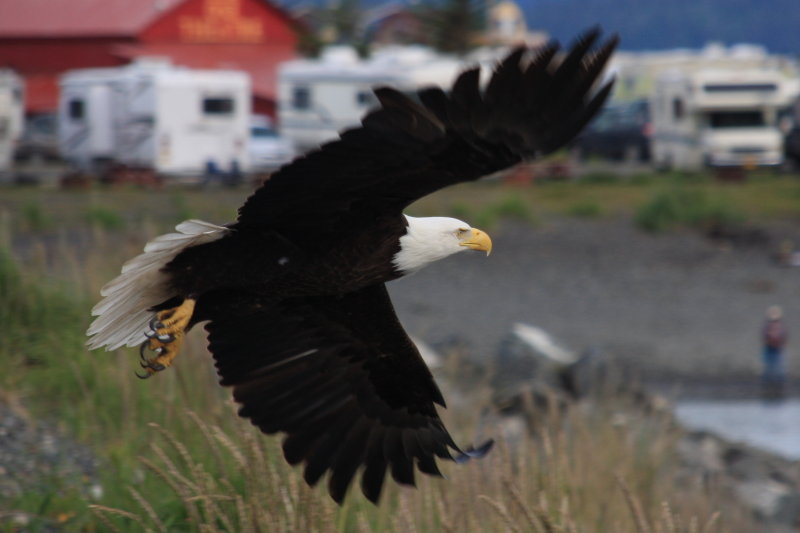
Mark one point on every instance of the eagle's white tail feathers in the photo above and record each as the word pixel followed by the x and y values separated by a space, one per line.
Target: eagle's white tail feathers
pixel 122 315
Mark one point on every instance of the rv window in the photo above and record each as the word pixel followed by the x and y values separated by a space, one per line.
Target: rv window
pixel 737 87
pixel 677 108
pixel 301 97
pixel 76 109
pixel 262 132
pixel 218 106
pixel 736 119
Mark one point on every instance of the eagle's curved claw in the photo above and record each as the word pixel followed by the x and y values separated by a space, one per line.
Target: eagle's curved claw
pixel 151 366
pixel 165 337
pixel 142 348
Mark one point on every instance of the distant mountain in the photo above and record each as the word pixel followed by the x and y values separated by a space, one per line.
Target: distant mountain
pixel 655 24
pixel 662 24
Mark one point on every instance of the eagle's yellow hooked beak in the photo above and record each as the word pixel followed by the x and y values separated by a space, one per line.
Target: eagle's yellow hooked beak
pixel 478 240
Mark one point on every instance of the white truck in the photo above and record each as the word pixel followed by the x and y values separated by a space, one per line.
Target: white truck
pixel 720 118
pixel 12 111
pixel 151 114
pixel 320 97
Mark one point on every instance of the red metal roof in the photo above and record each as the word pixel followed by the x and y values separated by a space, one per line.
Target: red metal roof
pixel 48 18
pixel 259 62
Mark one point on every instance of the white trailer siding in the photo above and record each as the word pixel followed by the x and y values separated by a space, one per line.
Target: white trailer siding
pixel 318 98
pixel 314 109
pixel 135 121
pixel 719 118
pixel 200 119
pixel 86 132
pixel 153 115
pixel 11 115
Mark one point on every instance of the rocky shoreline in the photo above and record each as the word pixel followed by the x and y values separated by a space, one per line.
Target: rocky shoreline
pixel 532 370
pixel 678 313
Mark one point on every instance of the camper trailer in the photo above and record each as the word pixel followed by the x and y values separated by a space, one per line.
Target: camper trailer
pixel 320 97
pixel 154 115
pixel 12 110
pixel 720 118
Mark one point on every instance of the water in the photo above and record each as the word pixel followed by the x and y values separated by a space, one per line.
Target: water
pixel 771 426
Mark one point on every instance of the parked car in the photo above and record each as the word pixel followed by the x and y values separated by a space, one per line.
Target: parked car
pixel 621 132
pixel 267 148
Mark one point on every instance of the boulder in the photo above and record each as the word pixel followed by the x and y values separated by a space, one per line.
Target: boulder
pixel 767 485
pixel 529 362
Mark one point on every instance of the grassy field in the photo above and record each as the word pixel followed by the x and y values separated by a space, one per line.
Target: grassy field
pixel 176 458
pixel 761 196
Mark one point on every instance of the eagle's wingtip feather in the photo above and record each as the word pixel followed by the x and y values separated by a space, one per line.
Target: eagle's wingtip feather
pixel 473 452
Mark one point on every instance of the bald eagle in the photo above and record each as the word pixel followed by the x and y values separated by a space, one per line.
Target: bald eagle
pixel 293 292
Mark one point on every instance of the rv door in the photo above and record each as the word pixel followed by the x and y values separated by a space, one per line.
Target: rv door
pixel 99 115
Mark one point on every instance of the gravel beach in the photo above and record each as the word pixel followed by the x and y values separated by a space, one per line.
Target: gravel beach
pixel 675 306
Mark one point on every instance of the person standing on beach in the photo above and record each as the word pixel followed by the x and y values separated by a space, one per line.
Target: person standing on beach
pixel 774 337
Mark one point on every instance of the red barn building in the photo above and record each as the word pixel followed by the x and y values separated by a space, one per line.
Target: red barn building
pixel 40 39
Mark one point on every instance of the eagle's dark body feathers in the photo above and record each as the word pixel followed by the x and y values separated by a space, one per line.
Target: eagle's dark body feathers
pixel 299 320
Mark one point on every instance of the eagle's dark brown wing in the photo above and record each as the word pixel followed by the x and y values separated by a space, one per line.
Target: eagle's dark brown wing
pixel 342 380
pixel 535 102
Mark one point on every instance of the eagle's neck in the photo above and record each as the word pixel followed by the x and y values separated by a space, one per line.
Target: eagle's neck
pixel 426 240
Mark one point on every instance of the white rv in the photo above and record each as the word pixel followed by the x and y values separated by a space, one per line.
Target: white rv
pixel 320 97
pixel 12 110
pixel 151 114
pixel 720 118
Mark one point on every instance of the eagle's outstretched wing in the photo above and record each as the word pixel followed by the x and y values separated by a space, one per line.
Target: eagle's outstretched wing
pixel 534 103
pixel 342 379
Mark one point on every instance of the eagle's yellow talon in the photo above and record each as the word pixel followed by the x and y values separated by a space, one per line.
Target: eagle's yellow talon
pixel 165 338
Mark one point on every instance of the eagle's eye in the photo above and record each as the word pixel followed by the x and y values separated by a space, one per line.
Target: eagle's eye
pixel 462 232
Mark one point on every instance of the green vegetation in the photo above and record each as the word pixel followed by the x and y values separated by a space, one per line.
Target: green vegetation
pixel 762 196
pixel 183 211
pixel 35 217
pixel 105 218
pixel 687 207
pixel 174 457
pixel 488 214
pixel 600 178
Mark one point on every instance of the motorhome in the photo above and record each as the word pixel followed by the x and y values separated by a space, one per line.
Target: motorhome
pixel 12 110
pixel 152 114
pixel 320 97
pixel 720 118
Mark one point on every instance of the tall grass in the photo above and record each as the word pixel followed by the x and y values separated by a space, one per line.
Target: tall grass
pixel 93 395
pixel 578 474
pixel 175 457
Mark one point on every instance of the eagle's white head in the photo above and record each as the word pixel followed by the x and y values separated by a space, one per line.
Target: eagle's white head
pixel 432 238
